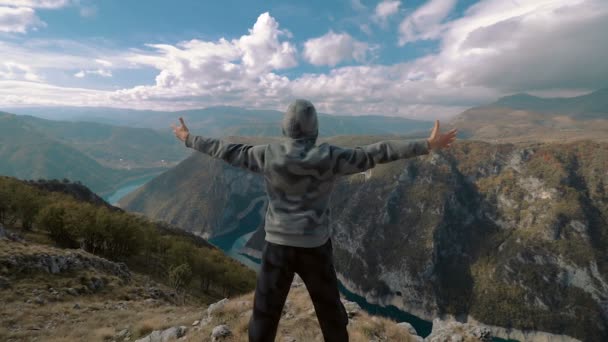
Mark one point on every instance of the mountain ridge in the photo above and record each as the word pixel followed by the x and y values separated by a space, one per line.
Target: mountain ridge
pixel 440 221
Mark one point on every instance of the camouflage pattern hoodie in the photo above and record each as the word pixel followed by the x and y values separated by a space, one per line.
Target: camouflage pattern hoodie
pixel 299 175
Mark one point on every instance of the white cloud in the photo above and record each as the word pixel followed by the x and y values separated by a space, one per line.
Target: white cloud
pixel 333 48
pixel 50 4
pixel 21 93
pixel 103 62
pixel 261 48
pixel 65 54
pixel 19 19
pixel 99 72
pixel 493 49
pixel 425 22
pixel 386 9
pixel 541 44
pixel 16 71
pixel 236 70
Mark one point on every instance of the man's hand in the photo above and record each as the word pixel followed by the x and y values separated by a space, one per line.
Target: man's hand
pixel 438 141
pixel 181 132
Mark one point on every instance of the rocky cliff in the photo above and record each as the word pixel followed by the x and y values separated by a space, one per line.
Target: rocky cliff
pixel 512 235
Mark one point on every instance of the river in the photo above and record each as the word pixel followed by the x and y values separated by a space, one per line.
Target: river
pixel 232 243
pixel 127 189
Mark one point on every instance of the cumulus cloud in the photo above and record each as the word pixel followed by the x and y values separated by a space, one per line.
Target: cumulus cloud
pixel 386 9
pixel 425 22
pixel 261 48
pixel 333 48
pixel 19 15
pixel 19 19
pixel 239 69
pixel 535 45
pixel 492 49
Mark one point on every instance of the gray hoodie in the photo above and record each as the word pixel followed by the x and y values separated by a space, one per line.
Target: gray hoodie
pixel 299 175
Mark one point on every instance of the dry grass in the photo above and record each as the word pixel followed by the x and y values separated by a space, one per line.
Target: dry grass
pixel 300 322
pixel 95 321
pixel 98 319
pixel 100 316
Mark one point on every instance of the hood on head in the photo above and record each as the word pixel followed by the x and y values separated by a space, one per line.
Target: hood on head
pixel 300 121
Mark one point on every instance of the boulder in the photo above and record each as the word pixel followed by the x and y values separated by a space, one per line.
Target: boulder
pixel 216 306
pixel 219 332
pixel 166 335
pixel 453 331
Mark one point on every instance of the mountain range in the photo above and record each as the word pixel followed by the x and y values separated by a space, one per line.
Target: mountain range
pixel 523 117
pixel 512 234
pixel 224 120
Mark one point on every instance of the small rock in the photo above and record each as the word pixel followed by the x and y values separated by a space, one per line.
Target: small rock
pixel 173 333
pixel 166 335
pixel 352 308
pixel 76 306
pixel 220 332
pixel 39 300
pixel 95 284
pixel 195 323
pixel 289 339
pixel 408 327
pixel 71 291
pixel 216 306
pixel 123 333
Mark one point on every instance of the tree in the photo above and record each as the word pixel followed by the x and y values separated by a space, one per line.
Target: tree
pixel 53 218
pixel 179 277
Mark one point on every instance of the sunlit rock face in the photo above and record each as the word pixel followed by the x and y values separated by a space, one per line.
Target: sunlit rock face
pixel 512 235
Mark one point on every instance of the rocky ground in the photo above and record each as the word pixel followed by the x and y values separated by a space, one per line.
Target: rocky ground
pixel 51 294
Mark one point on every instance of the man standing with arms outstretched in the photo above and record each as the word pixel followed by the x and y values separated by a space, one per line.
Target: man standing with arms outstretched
pixel 299 176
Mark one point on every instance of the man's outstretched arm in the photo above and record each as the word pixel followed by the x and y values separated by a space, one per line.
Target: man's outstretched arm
pixel 241 155
pixel 352 160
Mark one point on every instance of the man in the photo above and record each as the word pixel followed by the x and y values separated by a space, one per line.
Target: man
pixel 299 176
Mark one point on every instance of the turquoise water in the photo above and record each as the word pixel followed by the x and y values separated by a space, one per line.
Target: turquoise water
pixel 127 189
pixel 423 328
pixel 234 241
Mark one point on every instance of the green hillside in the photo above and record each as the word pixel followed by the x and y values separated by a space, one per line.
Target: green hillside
pixel 154 248
pixel 113 146
pixel 27 152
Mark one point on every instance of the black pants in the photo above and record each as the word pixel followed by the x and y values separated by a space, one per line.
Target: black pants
pixel 315 267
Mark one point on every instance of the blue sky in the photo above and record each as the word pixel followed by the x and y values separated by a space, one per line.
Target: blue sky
pixel 420 59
